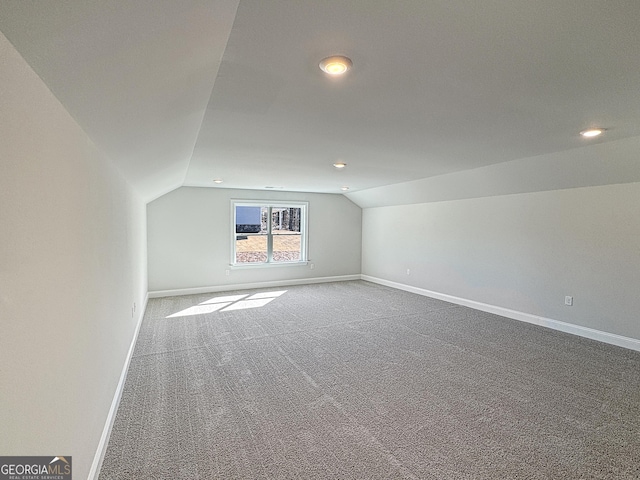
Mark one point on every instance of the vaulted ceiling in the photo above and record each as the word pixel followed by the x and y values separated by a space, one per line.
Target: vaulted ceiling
pixel 181 92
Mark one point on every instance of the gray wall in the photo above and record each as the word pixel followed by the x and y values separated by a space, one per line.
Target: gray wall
pixel 523 252
pixel 189 239
pixel 72 263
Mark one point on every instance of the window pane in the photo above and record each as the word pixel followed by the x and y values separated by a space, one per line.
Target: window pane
pixel 251 220
pixel 251 234
pixel 285 219
pixel 285 226
pixel 286 247
pixel 251 248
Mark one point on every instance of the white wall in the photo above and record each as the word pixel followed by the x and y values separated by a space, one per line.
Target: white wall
pixel 523 252
pixel 606 163
pixel 189 239
pixel 72 263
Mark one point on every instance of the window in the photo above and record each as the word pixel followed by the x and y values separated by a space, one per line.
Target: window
pixel 269 233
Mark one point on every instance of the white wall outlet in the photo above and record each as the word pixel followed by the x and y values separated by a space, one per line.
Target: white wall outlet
pixel 408 271
pixel 226 272
pixel 312 266
pixel 568 300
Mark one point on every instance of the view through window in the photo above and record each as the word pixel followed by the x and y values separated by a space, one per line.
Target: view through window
pixel 269 233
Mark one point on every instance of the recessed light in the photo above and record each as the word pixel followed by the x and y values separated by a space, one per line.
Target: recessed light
pixel 217 180
pixel 592 132
pixel 344 189
pixel 339 165
pixel 336 65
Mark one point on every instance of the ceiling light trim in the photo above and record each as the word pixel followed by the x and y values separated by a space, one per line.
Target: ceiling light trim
pixel 336 65
pixel 592 132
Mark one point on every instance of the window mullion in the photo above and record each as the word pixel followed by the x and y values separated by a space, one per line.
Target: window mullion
pixel 269 236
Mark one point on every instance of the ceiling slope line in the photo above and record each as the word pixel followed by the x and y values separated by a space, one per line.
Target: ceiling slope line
pixel 213 84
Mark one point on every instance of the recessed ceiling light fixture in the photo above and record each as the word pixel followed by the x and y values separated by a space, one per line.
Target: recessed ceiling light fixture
pixel 592 132
pixel 336 65
pixel 217 180
pixel 339 165
pixel 344 189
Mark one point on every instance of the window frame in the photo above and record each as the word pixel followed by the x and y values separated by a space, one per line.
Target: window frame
pixel 304 211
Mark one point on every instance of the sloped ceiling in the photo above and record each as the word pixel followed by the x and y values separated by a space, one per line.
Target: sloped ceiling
pixel 180 92
pixel 136 75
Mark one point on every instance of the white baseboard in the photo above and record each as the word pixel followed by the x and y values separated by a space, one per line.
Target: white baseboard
pixel 106 433
pixel 611 338
pixel 247 286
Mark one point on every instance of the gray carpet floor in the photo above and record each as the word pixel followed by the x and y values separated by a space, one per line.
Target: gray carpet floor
pixel 354 380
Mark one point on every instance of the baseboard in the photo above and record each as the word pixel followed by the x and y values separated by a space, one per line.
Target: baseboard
pixel 606 337
pixel 115 403
pixel 246 286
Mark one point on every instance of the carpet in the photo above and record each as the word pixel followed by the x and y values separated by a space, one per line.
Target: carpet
pixel 354 380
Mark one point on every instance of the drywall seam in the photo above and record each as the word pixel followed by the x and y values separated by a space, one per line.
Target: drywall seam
pixel 591 333
pixel 246 286
pixel 108 426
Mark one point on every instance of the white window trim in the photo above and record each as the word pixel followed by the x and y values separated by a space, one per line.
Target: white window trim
pixel 304 228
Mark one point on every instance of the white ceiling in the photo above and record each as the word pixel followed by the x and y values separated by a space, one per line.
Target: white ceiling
pixel 179 92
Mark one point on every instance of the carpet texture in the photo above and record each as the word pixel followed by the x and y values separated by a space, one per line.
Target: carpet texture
pixel 354 380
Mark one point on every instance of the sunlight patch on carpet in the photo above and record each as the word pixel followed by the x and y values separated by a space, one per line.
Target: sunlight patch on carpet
pixel 229 303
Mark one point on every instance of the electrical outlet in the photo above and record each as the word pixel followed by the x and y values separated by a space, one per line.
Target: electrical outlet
pixel 226 272
pixel 568 300
pixel 408 271
pixel 312 266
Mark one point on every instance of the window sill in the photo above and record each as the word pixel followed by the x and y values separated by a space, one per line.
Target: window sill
pixel 243 266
